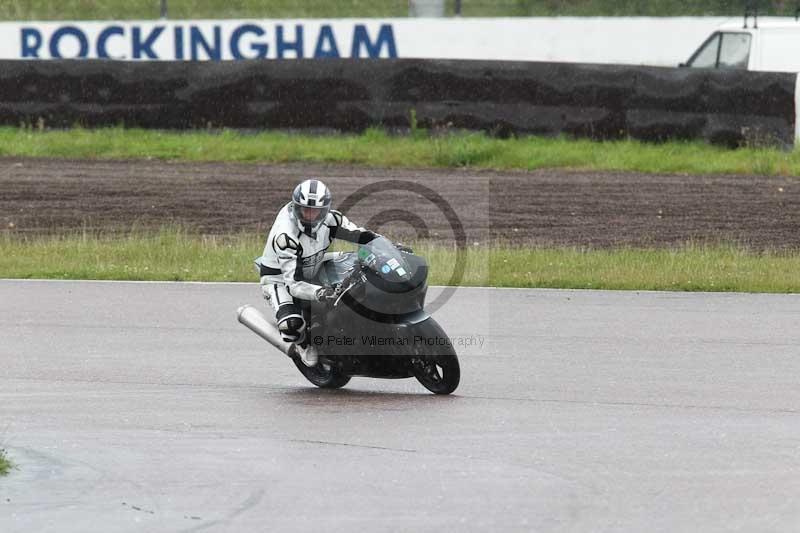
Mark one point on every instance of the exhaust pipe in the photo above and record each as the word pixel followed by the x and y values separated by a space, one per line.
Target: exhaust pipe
pixel 258 324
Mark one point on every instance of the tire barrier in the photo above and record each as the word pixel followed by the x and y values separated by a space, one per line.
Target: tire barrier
pixel 504 98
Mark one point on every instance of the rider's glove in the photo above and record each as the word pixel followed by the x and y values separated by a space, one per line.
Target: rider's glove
pixel 403 248
pixel 326 293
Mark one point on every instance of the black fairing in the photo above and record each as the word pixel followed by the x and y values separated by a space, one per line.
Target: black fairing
pixel 374 330
pixel 388 297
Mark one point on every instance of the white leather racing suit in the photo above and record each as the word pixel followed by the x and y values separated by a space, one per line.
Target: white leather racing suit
pixel 292 260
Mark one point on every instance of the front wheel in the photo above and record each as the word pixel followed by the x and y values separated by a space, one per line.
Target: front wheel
pixel 323 375
pixel 440 374
pixel 436 363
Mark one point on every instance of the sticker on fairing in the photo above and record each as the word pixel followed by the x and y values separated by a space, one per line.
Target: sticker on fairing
pixel 385 269
pixel 393 263
pixel 401 271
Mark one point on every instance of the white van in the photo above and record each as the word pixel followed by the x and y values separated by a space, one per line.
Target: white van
pixel 768 45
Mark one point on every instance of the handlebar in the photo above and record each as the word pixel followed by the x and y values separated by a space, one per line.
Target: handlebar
pixel 353 279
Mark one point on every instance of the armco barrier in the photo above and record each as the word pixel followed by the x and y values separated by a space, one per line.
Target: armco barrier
pixel 597 101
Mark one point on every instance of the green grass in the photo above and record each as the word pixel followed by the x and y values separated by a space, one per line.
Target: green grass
pixel 376 148
pixel 689 268
pixel 177 256
pixel 183 9
pixel 168 255
pixel 5 464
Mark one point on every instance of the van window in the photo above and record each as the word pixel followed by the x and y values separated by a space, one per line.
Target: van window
pixel 723 50
pixel 734 51
pixel 706 56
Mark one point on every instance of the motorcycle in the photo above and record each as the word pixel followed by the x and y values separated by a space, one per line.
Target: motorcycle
pixel 375 325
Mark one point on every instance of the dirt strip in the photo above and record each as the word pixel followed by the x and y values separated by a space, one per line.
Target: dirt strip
pixel 592 209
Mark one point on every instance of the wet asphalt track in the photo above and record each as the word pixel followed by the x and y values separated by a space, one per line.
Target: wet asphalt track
pixel 146 407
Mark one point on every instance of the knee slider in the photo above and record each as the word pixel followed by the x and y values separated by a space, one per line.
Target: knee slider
pixel 292 327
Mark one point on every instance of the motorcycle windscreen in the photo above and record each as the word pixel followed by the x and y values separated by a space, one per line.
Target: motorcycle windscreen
pixel 393 294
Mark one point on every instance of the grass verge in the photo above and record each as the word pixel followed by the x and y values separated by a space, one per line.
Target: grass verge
pixel 178 256
pixel 376 148
pixel 5 464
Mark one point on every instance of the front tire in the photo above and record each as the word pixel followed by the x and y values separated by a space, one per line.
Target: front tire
pixel 436 367
pixel 439 374
pixel 322 375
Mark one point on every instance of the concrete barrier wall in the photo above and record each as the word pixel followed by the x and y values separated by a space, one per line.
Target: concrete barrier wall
pixel 597 101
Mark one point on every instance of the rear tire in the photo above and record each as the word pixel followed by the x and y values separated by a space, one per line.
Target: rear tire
pixel 436 366
pixel 322 375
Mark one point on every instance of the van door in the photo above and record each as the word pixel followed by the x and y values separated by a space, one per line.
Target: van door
pixel 724 49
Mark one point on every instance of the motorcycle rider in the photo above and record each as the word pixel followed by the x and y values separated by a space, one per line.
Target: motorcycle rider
pixel 294 255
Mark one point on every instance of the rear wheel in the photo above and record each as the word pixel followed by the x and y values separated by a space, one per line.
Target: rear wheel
pixel 323 375
pixel 435 363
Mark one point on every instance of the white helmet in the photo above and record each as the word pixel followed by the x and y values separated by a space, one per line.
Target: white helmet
pixel 311 202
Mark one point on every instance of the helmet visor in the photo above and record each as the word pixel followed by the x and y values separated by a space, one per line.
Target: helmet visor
pixel 310 216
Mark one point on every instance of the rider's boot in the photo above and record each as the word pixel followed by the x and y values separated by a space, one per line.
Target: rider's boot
pixel 307 352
